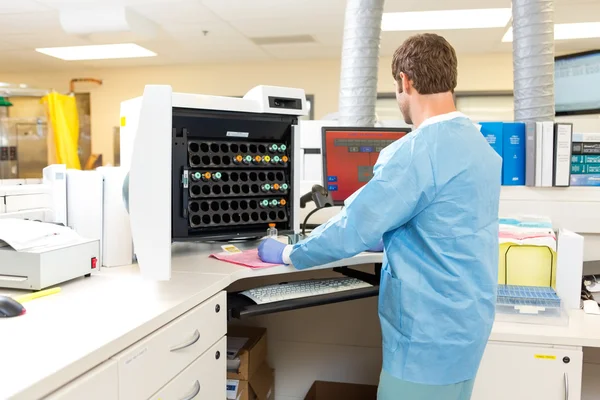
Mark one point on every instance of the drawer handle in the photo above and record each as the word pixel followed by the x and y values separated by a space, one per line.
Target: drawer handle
pixel 195 391
pixel 194 339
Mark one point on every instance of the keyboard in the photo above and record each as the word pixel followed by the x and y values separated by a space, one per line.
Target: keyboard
pixel 295 290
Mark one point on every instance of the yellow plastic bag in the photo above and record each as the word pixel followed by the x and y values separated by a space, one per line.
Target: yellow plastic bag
pixel 64 121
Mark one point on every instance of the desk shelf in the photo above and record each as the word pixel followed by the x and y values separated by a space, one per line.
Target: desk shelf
pixel 239 306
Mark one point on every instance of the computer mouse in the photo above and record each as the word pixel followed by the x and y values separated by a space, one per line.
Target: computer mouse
pixel 9 307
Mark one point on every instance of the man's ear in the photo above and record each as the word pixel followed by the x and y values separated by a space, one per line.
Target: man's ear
pixel 404 83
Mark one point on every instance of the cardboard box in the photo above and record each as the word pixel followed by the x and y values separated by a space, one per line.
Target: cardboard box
pixel 253 354
pixel 341 391
pixel 260 387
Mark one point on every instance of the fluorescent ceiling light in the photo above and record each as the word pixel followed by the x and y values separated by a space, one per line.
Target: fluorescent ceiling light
pixel 447 19
pixel 98 52
pixel 580 30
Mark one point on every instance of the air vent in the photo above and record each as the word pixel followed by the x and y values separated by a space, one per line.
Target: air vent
pixel 271 40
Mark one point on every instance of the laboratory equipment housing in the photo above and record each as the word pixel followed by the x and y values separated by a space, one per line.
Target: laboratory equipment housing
pixel 209 168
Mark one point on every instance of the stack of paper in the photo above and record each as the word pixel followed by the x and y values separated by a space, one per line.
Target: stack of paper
pixel 24 235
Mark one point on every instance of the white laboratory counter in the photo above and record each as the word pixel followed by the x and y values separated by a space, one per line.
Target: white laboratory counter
pixel 93 320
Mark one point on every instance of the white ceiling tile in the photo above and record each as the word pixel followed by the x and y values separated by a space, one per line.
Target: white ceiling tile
pixel 216 29
pixel 175 12
pixel 41 22
pixel 54 39
pixel 267 27
pixel 84 3
pixel 231 10
pixel 329 39
pixel 430 5
pixel 20 6
pixel 303 50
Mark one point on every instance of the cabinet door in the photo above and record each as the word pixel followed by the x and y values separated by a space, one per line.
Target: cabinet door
pixel 524 372
pixel 101 383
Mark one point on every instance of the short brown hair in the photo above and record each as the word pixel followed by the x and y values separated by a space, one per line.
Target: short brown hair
pixel 429 61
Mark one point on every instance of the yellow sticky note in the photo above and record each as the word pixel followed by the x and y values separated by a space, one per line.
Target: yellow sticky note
pixel 231 248
pixel 123 121
pixel 545 357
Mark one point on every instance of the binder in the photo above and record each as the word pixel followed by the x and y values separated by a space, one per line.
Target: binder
pixel 530 148
pixel 563 133
pixel 538 153
pixel 547 153
pixel 492 131
pixel 513 150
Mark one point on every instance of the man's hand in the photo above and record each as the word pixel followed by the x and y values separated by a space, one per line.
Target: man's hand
pixel 378 248
pixel 271 251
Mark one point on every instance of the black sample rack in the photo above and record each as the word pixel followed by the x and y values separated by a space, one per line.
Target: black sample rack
pixel 232 174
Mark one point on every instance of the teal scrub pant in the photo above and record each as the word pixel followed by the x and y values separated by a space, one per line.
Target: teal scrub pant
pixel 391 388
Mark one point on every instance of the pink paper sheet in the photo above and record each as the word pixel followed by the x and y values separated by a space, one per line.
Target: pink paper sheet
pixel 247 258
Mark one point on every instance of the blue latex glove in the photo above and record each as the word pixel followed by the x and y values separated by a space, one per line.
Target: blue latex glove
pixel 271 251
pixel 378 248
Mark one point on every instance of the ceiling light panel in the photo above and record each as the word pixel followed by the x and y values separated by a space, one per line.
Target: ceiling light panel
pixel 580 30
pixel 446 19
pixel 97 52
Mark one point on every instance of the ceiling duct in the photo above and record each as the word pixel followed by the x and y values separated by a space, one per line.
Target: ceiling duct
pixel 107 24
pixel 360 63
pixel 533 59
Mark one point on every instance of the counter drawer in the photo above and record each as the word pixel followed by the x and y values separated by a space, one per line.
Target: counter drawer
pixel 204 379
pixel 149 364
pixel 100 383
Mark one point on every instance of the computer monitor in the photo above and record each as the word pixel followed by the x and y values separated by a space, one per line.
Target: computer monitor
pixel 349 155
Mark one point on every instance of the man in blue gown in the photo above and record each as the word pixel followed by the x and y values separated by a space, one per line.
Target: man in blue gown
pixel 433 202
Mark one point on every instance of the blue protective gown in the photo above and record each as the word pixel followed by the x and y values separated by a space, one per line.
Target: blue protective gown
pixel 434 199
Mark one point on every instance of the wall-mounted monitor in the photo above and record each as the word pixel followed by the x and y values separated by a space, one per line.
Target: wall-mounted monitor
pixel 577 83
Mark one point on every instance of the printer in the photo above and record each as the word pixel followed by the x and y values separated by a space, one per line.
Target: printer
pixel 35 255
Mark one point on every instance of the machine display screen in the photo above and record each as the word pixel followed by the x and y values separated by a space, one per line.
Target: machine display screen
pixel 577 83
pixel 349 155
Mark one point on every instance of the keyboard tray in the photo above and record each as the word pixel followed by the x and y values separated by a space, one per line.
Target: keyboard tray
pixel 240 306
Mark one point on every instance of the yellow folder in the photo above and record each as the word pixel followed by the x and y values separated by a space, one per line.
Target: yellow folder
pixel 526 265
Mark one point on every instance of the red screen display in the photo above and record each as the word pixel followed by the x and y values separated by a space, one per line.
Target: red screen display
pixel 350 157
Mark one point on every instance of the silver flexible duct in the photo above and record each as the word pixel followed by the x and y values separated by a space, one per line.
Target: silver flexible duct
pixel 360 63
pixel 533 59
